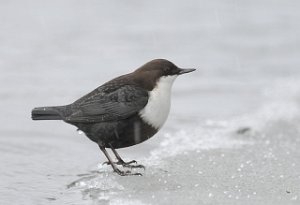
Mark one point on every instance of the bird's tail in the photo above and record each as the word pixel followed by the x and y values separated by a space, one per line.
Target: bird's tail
pixel 48 113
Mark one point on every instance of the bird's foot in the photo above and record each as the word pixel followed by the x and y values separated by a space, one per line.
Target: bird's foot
pixel 126 173
pixel 121 162
pixel 127 164
pixel 134 166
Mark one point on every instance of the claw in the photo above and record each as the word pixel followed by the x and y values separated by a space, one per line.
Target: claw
pixel 106 163
pixel 121 162
pixel 127 173
pixel 126 164
pixel 134 166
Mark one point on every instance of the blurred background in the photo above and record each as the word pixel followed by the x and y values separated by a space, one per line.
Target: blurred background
pixel 233 132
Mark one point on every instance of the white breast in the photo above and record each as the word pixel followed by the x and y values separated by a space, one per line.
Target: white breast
pixel 157 109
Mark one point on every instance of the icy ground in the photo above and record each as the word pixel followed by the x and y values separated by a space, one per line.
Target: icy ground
pixel 252 159
pixel 233 134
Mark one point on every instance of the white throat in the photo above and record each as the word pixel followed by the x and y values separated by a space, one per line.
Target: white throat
pixel 156 112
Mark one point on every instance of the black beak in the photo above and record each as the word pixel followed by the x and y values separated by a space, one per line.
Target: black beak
pixel 185 70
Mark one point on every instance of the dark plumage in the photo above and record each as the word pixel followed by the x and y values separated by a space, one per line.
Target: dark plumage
pixel 110 115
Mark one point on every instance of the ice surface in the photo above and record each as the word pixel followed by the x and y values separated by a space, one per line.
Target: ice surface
pixel 232 136
pixel 215 164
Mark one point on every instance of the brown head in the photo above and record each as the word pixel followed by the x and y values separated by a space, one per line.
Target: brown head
pixel 150 73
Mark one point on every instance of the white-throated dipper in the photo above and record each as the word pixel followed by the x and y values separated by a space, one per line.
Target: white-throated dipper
pixel 122 112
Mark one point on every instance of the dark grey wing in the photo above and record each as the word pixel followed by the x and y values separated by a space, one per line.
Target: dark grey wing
pixel 119 104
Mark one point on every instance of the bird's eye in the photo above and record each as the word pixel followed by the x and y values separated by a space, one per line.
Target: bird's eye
pixel 166 69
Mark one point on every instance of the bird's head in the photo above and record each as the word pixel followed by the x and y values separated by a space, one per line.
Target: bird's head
pixel 160 71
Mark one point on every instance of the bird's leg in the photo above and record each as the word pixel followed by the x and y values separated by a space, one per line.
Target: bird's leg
pixel 121 173
pixel 125 164
pixel 120 160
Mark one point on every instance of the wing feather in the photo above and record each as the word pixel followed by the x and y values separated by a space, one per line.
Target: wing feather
pixel 120 103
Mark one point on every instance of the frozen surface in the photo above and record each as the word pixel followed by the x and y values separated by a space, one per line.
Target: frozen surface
pixel 233 134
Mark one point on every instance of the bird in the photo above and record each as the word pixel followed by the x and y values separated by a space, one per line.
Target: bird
pixel 122 112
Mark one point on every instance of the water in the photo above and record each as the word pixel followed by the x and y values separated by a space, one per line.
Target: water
pixel 232 136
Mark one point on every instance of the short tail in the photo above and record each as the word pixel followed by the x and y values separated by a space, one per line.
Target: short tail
pixel 47 113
